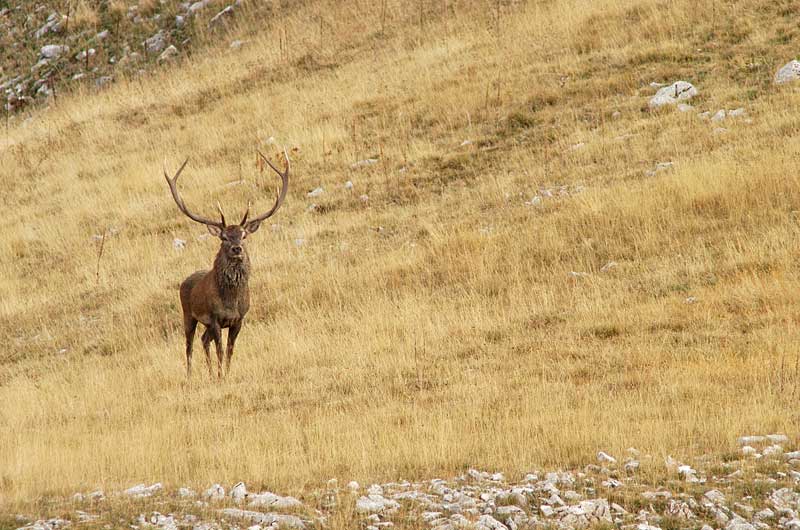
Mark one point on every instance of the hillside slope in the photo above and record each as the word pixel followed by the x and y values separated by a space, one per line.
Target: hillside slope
pixel 512 284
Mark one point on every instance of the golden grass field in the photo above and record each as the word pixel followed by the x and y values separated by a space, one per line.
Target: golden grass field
pixel 436 326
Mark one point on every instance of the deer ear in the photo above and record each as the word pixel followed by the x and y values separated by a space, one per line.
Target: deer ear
pixel 252 226
pixel 214 230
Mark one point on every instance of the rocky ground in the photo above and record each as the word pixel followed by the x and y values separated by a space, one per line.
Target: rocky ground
pixel 46 50
pixel 753 489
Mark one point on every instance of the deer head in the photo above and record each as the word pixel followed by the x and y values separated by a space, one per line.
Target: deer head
pixel 232 236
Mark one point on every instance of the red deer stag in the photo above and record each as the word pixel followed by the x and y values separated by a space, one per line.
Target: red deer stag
pixel 220 298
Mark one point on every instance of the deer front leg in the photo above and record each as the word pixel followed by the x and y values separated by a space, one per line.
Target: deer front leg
pixel 216 335
pixel 233 332
pixel 207 349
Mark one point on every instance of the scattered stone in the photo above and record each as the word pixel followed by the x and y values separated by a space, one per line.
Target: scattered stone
pixel 221 17
pixel 140 490
pixel 53 51
pixel 364 163
pixel 348 185
pixel 270 500
pixel 170 53
pixel 788 72
pixel 685 107
pixel 214 493
pixel 156 43
pixel 316 192
pixel 178 244
pixel 235 45
pixel 186 493
pixel 715 496
pixel 604 458
pixel 608 267
pixel 376 504
pixel 672 94
pixel 660 166
pixel 238 492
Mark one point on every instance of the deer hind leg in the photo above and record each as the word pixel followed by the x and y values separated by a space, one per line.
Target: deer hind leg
pixel 189 326
pixel 216 336
pixel 233 332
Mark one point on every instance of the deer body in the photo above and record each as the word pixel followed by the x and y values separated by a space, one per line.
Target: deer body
pixel 220 298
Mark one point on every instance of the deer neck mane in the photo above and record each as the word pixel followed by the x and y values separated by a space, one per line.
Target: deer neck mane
pixel 231 275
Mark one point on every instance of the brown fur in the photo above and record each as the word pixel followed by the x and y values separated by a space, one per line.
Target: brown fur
pixel 218 299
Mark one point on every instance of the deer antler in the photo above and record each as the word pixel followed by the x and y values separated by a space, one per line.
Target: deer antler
pixel 182 205
pixel 254 223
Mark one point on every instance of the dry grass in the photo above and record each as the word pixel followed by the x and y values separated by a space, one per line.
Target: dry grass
pixel 436 326
pixel 84 15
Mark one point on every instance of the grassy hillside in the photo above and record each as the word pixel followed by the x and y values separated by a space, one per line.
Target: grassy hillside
pixel 463 314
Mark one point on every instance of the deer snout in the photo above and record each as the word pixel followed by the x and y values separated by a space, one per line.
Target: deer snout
pixel 236 250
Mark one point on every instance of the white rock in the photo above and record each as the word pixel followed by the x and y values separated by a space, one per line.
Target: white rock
pixel 363 198
pixel 214 493
pixel 235 45
pixel 270 500
pixel 737 523
pixel 267 519
pixel 715 496
pixel 178 244
pixel 376 504
pixel 186 493
pixel 140 490
pixel 631 466
pixel 718 116
pixel 353 486
pixel 686 471
pixel 316 192
pixel 156 43
pixel 238 492
pixel 672 94
pixel 487 522
pixel 53 51
pixel 197 6
pixel 546 510
pixel 791 455
pixel 788 72
pixel 605 458
pixel 685 107
pixel 645 526
pixel 576 274
pixel 778 438
pixel 364 163
pixel 221 16
pixel 103 35
pixel 733 114
pixel 170 53
pixel 772 450
pixel 348 185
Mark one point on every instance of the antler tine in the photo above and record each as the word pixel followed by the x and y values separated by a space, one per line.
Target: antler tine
pixel 284 185
pixel 246 213
pixel 221 214
pixel 173 188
